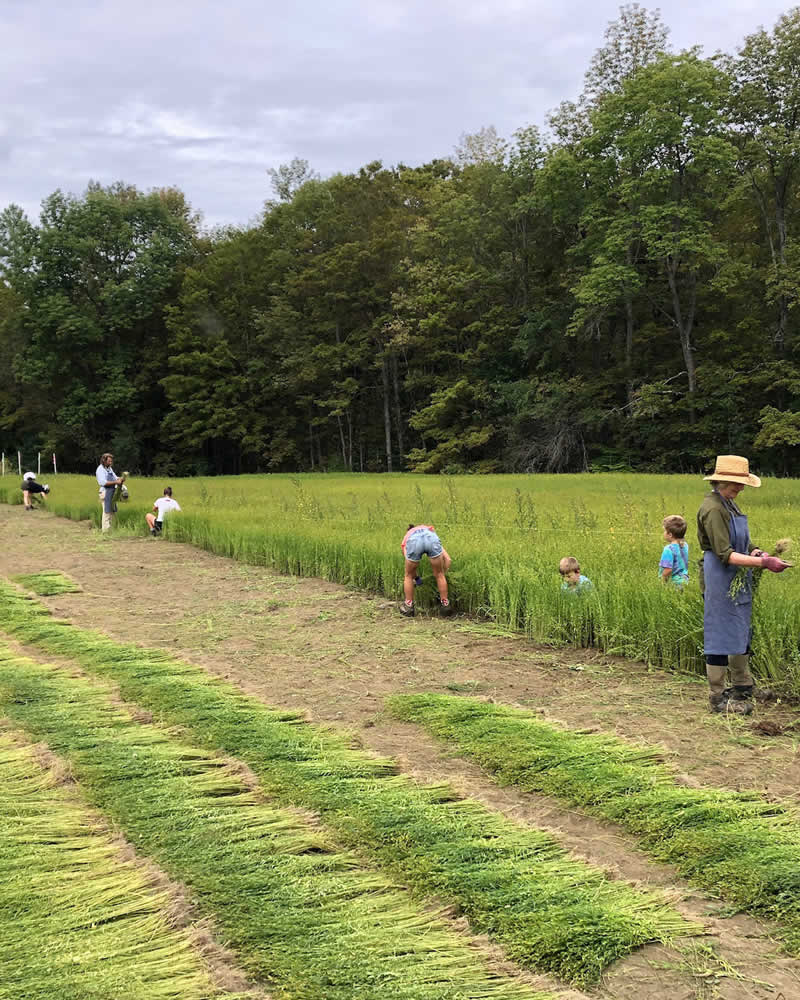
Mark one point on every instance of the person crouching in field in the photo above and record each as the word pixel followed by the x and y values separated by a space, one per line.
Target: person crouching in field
pixel 163 506
pixel 31 489
pixel 673 567
pixel 572 580
pixel 421 540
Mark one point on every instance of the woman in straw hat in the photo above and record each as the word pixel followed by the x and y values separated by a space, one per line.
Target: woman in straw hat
pixel 725 540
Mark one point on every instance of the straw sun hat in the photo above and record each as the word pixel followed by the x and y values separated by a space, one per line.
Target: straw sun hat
pixel 733 469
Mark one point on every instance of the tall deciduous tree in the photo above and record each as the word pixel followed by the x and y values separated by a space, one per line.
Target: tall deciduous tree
pixel 96 276
pixel 764 114
pixel 666 130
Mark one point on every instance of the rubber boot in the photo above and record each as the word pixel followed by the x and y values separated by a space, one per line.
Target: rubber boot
pixel 728 703
pixel 740 671
pixel 721 699
pixel 717 695
pixel 743 686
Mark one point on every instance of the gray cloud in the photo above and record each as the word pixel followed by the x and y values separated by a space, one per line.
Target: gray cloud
pixel 208 96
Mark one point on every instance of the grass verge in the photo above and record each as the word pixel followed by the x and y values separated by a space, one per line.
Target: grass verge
pixel 734 844
pixel 47 583
pixel 77 921
pixel 550 911
pixel 302 915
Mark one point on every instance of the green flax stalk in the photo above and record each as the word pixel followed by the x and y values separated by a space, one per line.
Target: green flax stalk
pixel 550 911
pixel 734 844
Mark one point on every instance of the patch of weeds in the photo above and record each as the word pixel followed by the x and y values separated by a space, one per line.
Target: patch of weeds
pixel 708 969
pixel 736 845
pixel 221 623
pixel 47 583
pixel 466 687
pixel 488 630
pixel 550 911
pixel 77 920
pixel 313 920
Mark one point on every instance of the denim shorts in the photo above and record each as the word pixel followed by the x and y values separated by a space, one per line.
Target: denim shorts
pixel 423 543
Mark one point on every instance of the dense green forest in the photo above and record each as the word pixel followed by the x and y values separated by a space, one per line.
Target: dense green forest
pixel 615 290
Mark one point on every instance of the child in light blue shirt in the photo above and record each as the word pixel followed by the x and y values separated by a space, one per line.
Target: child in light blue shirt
pixel 673 567
pixel 573 581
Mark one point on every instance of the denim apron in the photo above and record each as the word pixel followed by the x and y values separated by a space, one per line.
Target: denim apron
pixel 109 507
pixel 726 621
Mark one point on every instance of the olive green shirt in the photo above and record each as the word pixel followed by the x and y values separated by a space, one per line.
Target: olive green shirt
pixel 714 529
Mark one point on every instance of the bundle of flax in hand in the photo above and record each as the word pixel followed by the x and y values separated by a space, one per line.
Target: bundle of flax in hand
pixel 782 548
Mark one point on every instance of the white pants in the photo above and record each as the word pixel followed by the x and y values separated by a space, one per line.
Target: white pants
pixel 107 521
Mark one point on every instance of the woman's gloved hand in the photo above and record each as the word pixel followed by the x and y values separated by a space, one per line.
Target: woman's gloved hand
pixel 774 564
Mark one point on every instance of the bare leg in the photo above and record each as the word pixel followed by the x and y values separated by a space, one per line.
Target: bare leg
pixel 26 499
pixel 447 561
pixel 151 520
pixel 438 565
pixel 408 580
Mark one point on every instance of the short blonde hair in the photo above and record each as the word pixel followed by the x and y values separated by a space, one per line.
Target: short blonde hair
pixel 675 525
pixel 569 564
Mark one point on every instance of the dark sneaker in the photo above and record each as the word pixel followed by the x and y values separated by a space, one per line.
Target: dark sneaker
pixel 407 610
pixel 445 610
pixel 417 581
pixel 726 703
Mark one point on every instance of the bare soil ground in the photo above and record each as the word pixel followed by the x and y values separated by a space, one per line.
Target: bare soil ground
pixel 336 654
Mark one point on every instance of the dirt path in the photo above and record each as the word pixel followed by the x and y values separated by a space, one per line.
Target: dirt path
pixel 336 654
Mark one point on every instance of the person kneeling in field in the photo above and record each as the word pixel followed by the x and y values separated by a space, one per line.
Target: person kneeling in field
pixel 163 506
pixel 673 568
pixel 573 581
pixel 421 540
pixel 31 489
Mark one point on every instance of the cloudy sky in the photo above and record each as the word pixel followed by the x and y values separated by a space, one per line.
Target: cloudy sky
pixel 207 96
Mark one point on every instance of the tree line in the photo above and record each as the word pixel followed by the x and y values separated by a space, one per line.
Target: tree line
pixel 616 291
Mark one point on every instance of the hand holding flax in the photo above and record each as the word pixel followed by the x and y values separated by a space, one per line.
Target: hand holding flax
pixel 774 564
pixel 760 561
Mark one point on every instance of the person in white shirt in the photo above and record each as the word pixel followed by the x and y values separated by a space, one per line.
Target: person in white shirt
pixel 163 506
pixel 107 480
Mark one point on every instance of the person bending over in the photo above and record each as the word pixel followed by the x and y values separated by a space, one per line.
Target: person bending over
pixel 421 540
pixel 31 490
